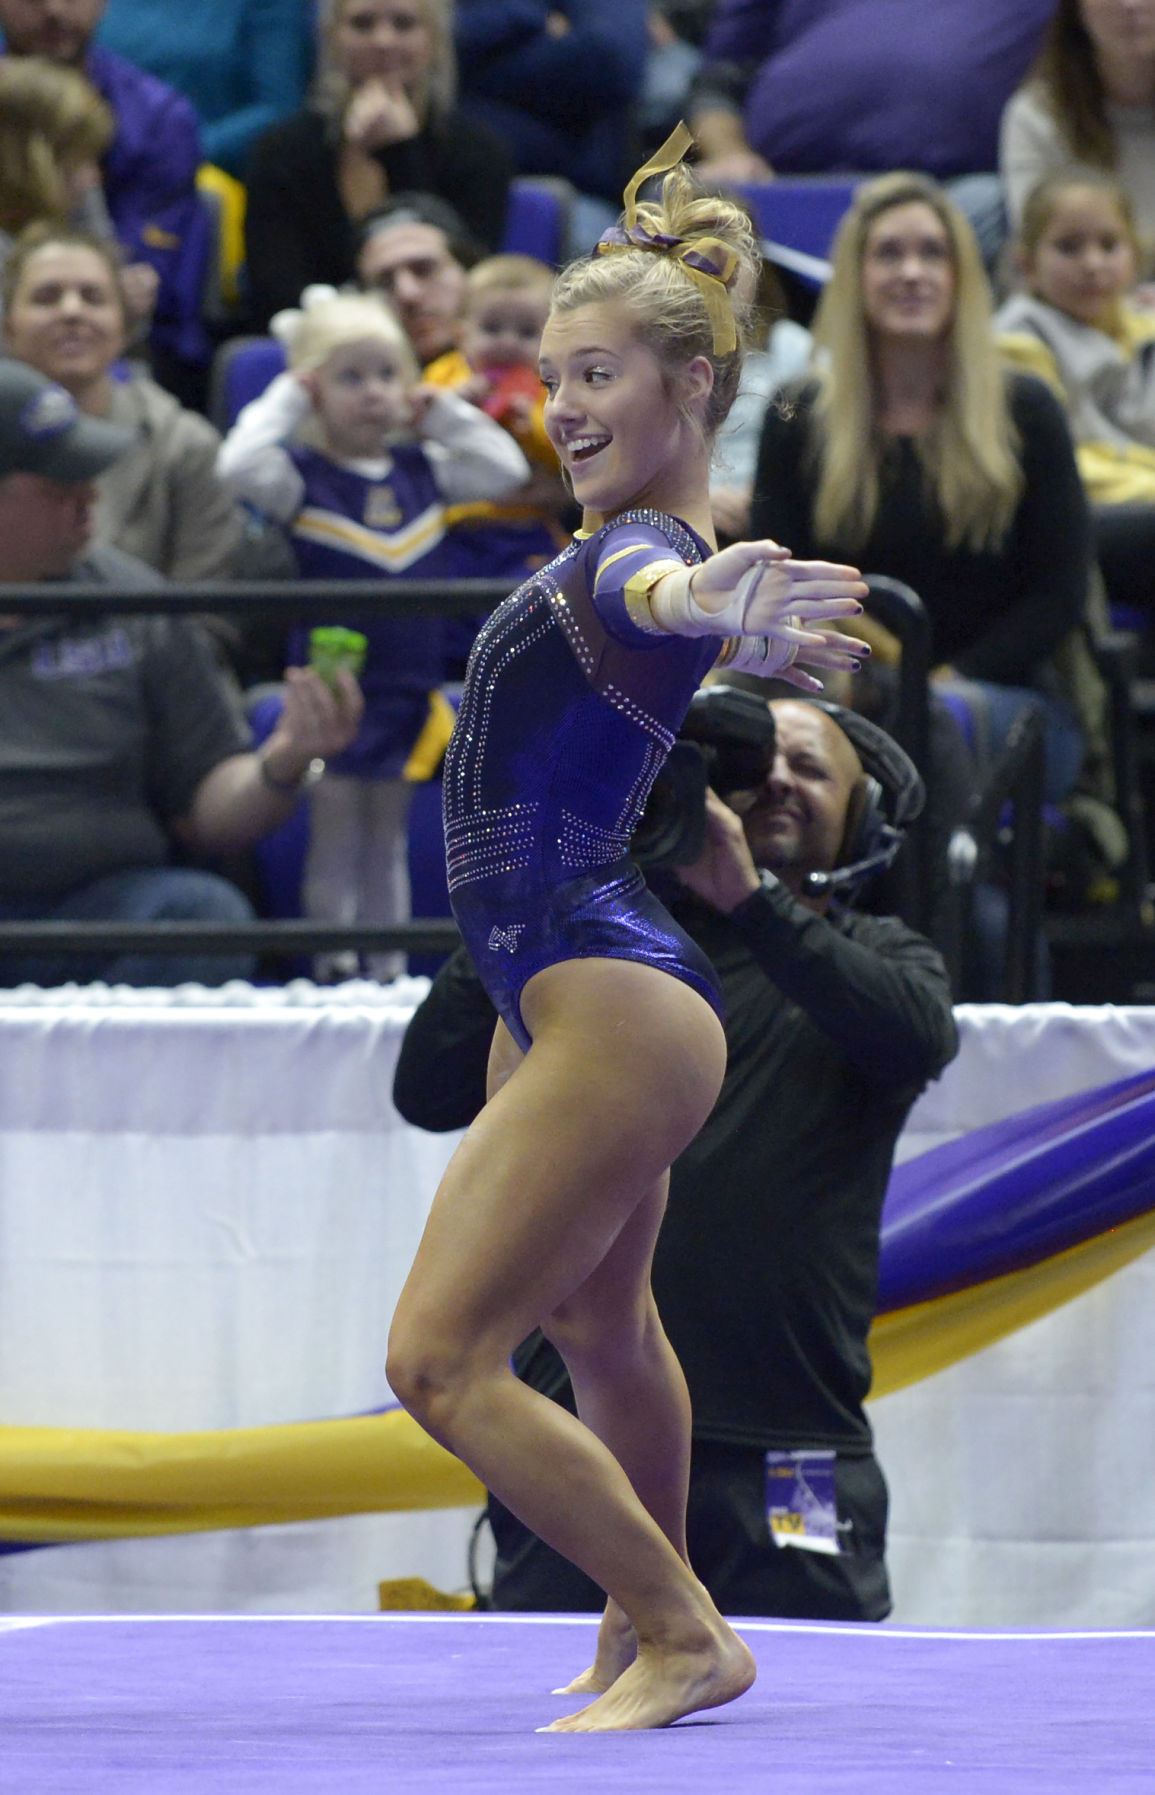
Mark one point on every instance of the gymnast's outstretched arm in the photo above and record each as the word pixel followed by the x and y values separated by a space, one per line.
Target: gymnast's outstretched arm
pixel 767 604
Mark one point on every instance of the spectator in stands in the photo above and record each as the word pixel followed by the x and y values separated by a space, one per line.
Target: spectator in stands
pixel 862 86
pixel 557 82
pixel 415 251
pixel 1078 253
pixel 949 472
pixel 1090 99
pixel 120 755
pixel 677 31
pixel 357 460
pixel 54 128
pixel 504 312
pixel 382 121
pixel 783 356
pixel 911 450
pixel 149 176
pixel 244 64
pixel 162 500
pixel 418 255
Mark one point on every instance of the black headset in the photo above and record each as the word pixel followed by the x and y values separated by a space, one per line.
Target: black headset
pixel 891 798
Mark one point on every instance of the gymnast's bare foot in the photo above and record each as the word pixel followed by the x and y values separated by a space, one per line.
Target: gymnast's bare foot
pixel 664 1683
pixel 617 1649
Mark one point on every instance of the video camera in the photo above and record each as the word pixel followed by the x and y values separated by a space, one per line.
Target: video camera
pixel 726 742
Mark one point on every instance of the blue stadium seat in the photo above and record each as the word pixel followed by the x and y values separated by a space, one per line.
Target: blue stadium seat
pixel 242 369
pixel 798 216
pixel 537 218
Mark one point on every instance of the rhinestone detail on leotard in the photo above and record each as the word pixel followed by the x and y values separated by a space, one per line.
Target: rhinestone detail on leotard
pixel 582 844
pixel 490 841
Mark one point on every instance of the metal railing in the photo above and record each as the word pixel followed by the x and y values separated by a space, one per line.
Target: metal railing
pixel 895 605
pixel 287 601
pixel 286 937
pixel 1006 823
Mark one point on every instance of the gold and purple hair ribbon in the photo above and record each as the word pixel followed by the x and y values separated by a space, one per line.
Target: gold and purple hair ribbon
pixel 709 262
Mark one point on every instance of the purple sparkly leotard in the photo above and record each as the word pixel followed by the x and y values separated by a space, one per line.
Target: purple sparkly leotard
pixel 568 712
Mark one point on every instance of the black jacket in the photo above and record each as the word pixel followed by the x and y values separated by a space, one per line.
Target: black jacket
pixel 297 230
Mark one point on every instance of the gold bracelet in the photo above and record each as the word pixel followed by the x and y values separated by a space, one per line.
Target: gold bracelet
pixel 637 591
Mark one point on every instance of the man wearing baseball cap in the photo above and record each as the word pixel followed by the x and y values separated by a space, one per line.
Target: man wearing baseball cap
pixel 42 431
pixel 121 757
pixel 50 454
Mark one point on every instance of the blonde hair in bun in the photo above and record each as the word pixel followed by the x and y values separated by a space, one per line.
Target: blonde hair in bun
pixel 685 266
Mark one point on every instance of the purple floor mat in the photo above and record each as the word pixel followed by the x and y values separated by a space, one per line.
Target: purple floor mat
pixel 448 1703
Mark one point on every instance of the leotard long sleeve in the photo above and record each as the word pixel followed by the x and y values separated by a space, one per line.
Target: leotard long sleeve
pixel 569 710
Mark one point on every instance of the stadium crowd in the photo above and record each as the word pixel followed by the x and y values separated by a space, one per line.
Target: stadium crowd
pixel 218 225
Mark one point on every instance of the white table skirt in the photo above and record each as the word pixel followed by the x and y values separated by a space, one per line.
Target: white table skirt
pixel 207 1209
pixel 1023 1479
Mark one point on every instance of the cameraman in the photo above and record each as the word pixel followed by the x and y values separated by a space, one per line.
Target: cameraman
pixel 765 1271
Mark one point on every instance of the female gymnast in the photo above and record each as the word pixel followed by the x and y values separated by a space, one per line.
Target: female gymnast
pixel 609 1052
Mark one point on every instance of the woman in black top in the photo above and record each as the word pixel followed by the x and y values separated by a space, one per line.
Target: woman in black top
pixel 382 121
pixel 914 451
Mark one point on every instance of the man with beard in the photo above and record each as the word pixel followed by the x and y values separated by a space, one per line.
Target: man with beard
pixel 415 251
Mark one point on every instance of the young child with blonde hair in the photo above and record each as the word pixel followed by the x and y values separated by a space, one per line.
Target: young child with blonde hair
pixel 357 462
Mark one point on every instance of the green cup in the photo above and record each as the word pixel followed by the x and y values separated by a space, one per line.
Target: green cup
pixel 332 649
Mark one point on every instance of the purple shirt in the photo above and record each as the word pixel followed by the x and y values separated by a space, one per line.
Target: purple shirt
pixel 350 527
pixel 150 190
pixel 878 84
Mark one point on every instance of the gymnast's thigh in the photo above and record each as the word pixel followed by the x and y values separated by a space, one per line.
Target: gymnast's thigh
pixel 645 1040
pixel 570 1144
pixel 505 1056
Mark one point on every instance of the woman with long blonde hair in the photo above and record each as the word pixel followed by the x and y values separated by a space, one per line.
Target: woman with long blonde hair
pixel 382 121
pixel 913 450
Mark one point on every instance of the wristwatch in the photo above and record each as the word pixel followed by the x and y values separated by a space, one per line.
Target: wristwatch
pixel 287 788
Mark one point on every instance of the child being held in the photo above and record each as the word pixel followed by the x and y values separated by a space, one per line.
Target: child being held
pixel 507 299
pixel 1077 327
pixel 357 462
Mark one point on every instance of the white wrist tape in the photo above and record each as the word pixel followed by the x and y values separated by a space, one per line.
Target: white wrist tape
pixel 688 618
pixel 758 654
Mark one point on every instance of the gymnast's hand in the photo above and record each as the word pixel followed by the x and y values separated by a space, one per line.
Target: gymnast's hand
pixel 758 589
